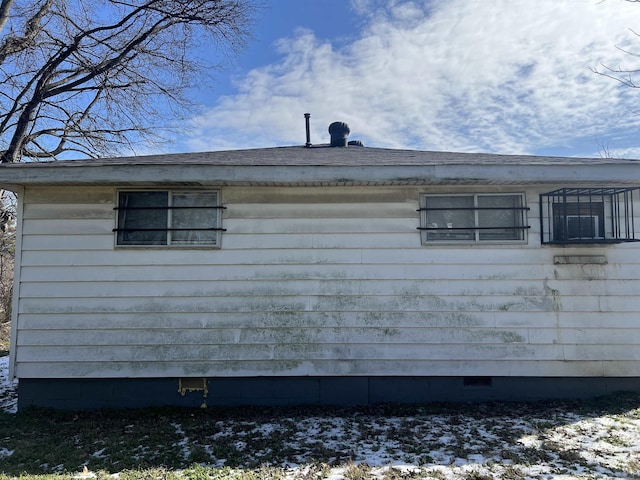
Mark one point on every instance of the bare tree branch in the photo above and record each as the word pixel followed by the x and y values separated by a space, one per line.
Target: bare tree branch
pixel 5 8
pixel 12 45
pixel 622 75
pixel 90 77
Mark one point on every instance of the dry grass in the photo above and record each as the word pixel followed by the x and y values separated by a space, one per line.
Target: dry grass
pixel 446 442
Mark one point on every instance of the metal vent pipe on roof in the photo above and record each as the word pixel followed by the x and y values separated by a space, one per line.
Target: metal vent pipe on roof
pixel 306 120
pixel 339 132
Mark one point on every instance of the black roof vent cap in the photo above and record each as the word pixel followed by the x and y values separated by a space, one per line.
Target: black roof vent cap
pixel 339 132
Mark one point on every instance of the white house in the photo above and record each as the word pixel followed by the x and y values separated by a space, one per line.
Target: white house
pixel 321 274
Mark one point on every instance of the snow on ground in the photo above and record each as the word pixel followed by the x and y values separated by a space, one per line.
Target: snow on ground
pixel 559 445
pixel 8 388
pixel 478 442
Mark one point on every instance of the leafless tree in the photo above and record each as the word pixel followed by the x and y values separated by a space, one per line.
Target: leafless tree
pixel 94 77
pixel 623 75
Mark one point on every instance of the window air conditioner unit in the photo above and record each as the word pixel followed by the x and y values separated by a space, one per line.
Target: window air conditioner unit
pixel 582 226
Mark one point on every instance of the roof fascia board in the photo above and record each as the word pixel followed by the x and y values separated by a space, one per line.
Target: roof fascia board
pixel 296 174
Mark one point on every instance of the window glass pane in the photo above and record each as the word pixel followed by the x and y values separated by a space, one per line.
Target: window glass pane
pixel 196 218
pixel 503 216
pixel 133 220
pixel 450 217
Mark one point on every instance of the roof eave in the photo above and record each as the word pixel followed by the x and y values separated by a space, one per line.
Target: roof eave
pixel 207 174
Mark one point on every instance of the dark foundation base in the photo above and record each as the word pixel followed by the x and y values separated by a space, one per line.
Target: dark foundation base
pixel 89 394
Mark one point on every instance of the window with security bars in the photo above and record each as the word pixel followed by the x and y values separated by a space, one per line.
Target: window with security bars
pixel 168 218
pixel 495 218
pixel 588 215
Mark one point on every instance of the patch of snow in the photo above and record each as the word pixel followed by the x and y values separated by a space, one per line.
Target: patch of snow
pixel 5 452
pixel 8 388
pixel 532 441
pixel 99 453
pixel 184 442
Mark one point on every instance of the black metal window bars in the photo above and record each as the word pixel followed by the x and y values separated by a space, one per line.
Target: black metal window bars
pixel 471 209
pixel 588 215
pixel 168 218
pixel 170 229
pixel 448 232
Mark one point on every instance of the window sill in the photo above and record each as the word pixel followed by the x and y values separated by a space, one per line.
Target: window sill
pixel 461 243
pixel 167 247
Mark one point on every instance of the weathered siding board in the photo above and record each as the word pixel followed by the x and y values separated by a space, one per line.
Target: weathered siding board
pixel 310 352
pixel 260 226
pixel 332 320
pixel 273 335
pixel 252 368
pixel 322 303
pixel 86 196
pixel 91 226
pixel 602 321
pixel 61 243
pixel 68 211
pixel 426 257
pixel 262 211
pixel 537 274
pixel 314 281
pixel 536 320
pixel 144 272
pixel 166 288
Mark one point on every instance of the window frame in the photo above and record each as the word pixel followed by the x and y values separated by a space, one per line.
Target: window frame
pixel 169 242
pixel 477 227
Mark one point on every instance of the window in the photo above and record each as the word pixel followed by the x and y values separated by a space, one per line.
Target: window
pixel 162 217
pixel 588 215
pixel 473 218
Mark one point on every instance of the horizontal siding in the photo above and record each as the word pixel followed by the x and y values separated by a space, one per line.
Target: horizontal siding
pixel 330 256
pixel 481 272
pixel 48 211
pixel 327 256
pixel 322 281
pixel 240 338
pixel 295 351
pixel 344 352
pixel 167 288
pixel 92 226
pixel 65 242
pixel 242 335
pixel 325 303
pixel 274 319
pixel 251 368
pixel 292 212
pixel 446 320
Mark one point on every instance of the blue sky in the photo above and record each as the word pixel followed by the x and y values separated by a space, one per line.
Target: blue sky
pixel 501 76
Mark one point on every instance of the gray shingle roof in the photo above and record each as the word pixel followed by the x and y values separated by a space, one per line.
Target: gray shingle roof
pixel 324 165
pixel 323 155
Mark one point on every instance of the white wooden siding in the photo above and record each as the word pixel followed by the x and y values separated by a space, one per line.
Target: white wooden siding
pixel 314 281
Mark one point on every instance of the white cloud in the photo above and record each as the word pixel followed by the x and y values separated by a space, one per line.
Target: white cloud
pixel 461 75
